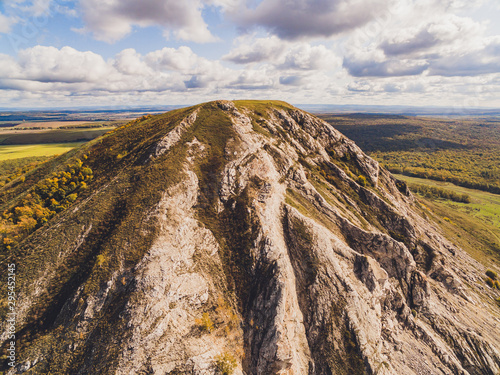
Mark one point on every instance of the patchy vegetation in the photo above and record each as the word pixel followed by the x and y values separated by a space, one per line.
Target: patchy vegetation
pixel 225 363
pixel 12 169
pixel 475 225
pixel 205 323
pixel 491 274
pixel 439 193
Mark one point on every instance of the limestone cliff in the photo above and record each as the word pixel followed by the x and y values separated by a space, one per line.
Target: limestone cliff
pixel 249 237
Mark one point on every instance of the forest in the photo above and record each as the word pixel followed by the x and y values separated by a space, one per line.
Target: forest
pixel 465 152
pixel 46 198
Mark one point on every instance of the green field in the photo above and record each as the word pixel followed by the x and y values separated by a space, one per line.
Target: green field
pixel 475 225
pixel 22 151
pixel 484 206
pixel 23 137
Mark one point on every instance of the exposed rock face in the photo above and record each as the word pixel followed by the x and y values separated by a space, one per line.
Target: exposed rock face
pixel 274 251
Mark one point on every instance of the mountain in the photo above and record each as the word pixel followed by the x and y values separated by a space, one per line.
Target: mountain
pixel 236 237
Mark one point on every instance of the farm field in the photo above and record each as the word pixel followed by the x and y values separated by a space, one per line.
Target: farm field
pixel 46 124
pixel 35 150
pixel 20 137
pixel 30 139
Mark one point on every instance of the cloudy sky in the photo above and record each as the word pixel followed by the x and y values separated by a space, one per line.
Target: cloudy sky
pixel 130 52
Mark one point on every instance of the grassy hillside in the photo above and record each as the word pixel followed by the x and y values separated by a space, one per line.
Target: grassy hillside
pixel 475 225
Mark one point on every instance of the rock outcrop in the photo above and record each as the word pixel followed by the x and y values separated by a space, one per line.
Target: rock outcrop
pixel 267 243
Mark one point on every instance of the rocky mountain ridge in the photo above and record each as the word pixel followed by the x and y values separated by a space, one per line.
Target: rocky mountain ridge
pixel 247 237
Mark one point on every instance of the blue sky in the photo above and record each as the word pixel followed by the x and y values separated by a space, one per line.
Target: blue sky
pixel 57 53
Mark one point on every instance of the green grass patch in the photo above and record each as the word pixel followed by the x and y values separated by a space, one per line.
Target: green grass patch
pixel 262 106
pixel 483 206
pixel 35 150
pixel 306 208
pixel 474 226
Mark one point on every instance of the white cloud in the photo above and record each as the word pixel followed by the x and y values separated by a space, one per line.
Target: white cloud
pixel 130 62
pixel 112 20
pixel 307 57
pixel 423 38
pixel 30 7
pixel 293 80
pixel 258 79
pixel 406 51
pixel 181 59
pixel 250 50
pixel 49 64
pixel 448 33
pixel 485 60
pixel 370 62
pixel 40 7
pixel 51 69
pixel 196 72
pixel 387 68
pixel 8 66
pixel 62 74
pixel 6 23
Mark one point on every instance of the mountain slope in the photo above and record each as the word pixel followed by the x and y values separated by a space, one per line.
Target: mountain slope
pixel 245 235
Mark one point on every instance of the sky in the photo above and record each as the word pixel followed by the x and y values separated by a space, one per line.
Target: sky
pixel 70 53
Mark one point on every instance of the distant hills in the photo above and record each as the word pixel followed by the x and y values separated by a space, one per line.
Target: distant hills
pixel 104 113
pixel 400 110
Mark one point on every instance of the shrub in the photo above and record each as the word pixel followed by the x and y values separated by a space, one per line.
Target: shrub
pixel 226 313
pixel 72 197
pixel 205 323
pixel 362 180
pixel 100 260
pixel 491 274
pixel 490 282
pixel 225 363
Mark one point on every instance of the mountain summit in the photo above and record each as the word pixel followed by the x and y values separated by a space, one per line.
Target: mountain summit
pixel 244 237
